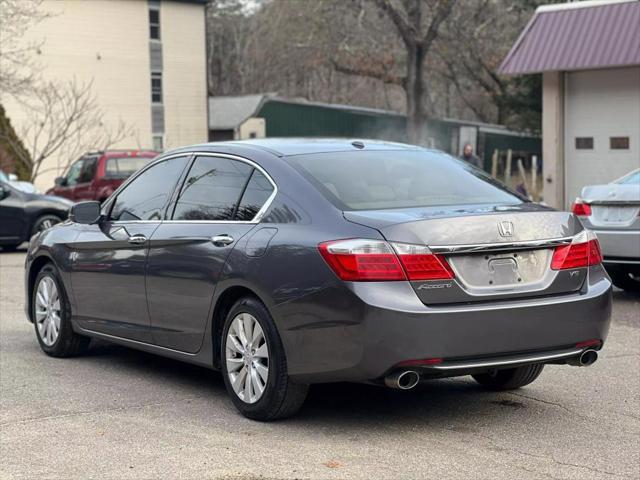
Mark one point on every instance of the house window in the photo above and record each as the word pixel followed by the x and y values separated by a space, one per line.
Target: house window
pixel 156 87
pixel 619 143
pixel 584 143
pixel 154 23
pixel 158 143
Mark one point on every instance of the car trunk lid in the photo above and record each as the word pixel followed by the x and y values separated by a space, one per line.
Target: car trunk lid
pixel 502 253
pixel 612 205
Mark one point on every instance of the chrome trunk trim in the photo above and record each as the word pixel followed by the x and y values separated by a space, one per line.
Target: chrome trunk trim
pixel 498 247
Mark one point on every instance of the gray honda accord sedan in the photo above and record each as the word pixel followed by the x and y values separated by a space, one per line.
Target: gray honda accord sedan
pixel 284 263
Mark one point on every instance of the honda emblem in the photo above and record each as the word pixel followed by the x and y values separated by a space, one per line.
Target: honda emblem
pixel 505 229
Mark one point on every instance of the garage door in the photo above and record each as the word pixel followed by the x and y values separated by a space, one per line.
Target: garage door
pixel 602 127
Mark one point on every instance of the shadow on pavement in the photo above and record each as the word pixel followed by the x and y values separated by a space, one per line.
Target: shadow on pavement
pixel 442 403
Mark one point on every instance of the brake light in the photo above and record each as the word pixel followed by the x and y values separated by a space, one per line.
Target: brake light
pixel 362 260
pixel 375 260
pixel 583 251
pixel 581 208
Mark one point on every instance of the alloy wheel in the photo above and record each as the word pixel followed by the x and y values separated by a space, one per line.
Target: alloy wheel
pixel 247 358
pixel 46 224
pixel 47 311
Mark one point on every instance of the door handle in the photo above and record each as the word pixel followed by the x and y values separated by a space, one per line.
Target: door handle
pixel 222 240
pixel 137 239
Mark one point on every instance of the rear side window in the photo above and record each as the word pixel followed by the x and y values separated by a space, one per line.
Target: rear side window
pixel 399 179
pixel 146 196
pixel 212 189
pixel 124 167
pixel 258 191
pixel 222 189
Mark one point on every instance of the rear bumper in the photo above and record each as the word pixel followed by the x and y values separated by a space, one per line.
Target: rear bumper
pixel 619 243
pixel 363 332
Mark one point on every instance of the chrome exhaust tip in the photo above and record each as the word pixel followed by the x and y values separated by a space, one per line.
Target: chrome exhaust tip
pixel 402 379
pixel 585 359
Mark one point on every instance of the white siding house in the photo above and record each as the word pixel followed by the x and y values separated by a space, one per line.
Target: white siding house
pixel 589 55
pixel 145 60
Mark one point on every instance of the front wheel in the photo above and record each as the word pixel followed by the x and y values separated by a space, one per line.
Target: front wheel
pixel 254 365
pixel 43 223
pixel 510 378
pixel 51 315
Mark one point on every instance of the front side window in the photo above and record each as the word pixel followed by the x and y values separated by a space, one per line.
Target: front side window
pixel 146 196
pixel 212 189
pixel 74 173
pixel 88 170
pixel 399 179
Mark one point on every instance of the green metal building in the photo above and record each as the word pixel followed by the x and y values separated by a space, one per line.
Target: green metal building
pixel 267 115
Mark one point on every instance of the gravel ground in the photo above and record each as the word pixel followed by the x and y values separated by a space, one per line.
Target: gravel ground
pixel 118 414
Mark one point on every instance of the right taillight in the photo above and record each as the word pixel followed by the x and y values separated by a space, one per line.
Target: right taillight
pixel 581 208
pixel 583 251
pixel 362 260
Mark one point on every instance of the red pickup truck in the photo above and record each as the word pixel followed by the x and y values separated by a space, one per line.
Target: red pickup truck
pixel 96 175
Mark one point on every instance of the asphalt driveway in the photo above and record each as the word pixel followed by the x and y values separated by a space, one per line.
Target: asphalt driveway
pixel 117 414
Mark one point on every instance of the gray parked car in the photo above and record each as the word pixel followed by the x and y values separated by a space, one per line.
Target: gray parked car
pixel 613 212
pixel 284 263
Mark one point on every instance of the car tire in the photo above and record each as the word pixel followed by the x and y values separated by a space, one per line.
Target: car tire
pixel 43 222
pixel 280 397
pixel 10 248
pixel 510 378
pixel 623 279
pixel 66 343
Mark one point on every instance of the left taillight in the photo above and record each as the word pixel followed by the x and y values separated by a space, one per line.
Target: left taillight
pixel 581 208
pixel 583 251
pixel 361 260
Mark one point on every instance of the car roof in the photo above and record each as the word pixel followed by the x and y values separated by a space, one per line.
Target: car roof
pixel 284 147
pixel 122 153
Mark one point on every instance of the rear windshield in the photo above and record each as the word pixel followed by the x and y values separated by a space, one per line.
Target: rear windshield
pixel 630 179
pixel 123 167
pixel 399 179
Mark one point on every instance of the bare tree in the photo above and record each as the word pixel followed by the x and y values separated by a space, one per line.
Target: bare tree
pixel 417 24
pixel 17 69
pixel 64 120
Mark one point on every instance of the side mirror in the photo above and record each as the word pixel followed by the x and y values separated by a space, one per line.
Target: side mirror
pixel 60 181
pixel 4 192
pixel 85 212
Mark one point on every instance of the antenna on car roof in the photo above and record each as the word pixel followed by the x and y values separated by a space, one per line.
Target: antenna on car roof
pixel 358 144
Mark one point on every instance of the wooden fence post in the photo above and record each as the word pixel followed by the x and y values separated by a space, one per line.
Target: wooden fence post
pixel 507 169
pixel 494 164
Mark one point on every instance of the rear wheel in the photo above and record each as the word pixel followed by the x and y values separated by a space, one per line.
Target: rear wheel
pixel 10 248
pixel 510 378
pixel 254 366
pixel 51 315
pixel 624 280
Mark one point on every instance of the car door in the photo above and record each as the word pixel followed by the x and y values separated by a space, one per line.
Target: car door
pixel 109 259
pixel 12 215
pixel 218 203
pixel 84 189
pixel 66 188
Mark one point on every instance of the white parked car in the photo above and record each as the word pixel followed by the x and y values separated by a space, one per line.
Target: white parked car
pixel 26 187
pixel 613 212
